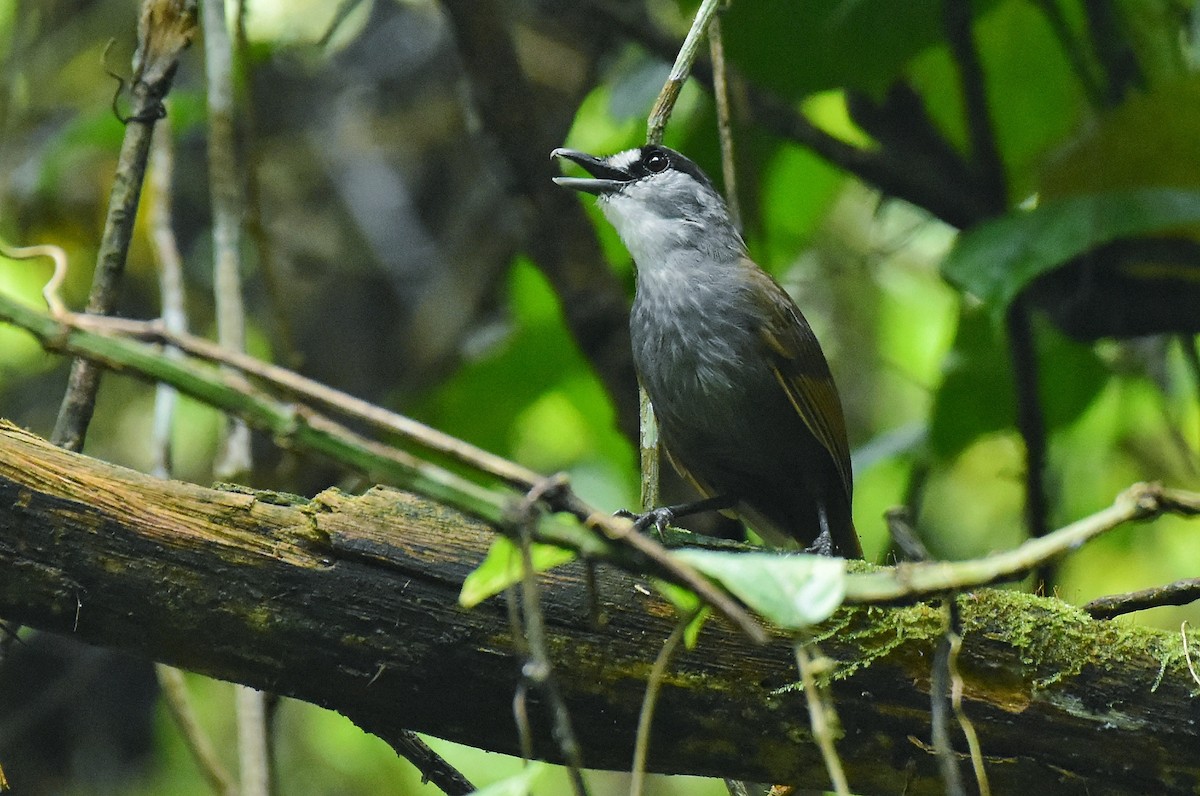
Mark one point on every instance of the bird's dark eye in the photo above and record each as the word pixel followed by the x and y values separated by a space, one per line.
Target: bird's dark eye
pixel 657 162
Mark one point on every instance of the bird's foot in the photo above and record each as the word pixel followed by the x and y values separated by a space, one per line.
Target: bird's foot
pixel 660 518
pixel 822 545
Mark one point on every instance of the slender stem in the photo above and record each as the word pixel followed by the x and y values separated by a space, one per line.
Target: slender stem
pixel 716 48
pixel 641 745
pixel 907 582
pixel 162 35
pixel 665 104
pixel 822 719
pixel 170 285
pixel 940 697
pixel 538 669
pixel 1032 425
pixel 985 152
pixel 179 705
pixel 956 701
pixel 225 189
pixel 234 461
pixel 1181 592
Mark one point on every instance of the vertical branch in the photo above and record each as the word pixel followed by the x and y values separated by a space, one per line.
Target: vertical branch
pixel 174 319
pixel 822 718
pixel 165 29
pixel 179 705
pixel 641 746
pixel 226 193
pixel 940 699
pixel 170 285
pixel 985 153
pixel 1073 51
pixel 537 669
pixel 1032 425
pixel 716 48
pixel 234 460
pixel 1116 56
pixel 988 166
pixel 661 113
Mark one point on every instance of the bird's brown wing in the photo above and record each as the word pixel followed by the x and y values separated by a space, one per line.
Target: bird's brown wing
pixel 800 367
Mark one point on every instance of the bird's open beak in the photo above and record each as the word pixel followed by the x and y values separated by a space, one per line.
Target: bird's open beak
pixel 606 178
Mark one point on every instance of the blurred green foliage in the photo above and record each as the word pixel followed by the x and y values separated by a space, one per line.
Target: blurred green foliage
pixel 922 365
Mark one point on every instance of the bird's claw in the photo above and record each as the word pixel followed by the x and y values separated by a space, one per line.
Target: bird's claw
pixel 660 518
pixel 822 545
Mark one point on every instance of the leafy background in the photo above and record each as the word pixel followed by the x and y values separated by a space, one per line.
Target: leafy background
pixel 407 263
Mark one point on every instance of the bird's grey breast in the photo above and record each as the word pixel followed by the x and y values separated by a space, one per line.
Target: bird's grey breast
pixel 693 338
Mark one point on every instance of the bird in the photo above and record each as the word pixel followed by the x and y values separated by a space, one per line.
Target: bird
pixel 745 401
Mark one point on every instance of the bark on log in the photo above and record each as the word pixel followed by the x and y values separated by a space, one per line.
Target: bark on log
pixel 350 602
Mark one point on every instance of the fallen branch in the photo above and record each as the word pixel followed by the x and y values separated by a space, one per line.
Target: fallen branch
pixel 351 603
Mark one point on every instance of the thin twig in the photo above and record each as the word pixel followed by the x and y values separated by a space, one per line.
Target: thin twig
pixel 907 582
pixel 716 49
pixel 320 395
pixel 537 668
pixel 59 257
pixel 433 767
pixel 940 707
pixel 822 719
pixel 164 30
pixel 1032 425
pixel 985 153
pixel 234 460
pixel 665 104
pixel 1071 47
pixel 253 736
pixel 641 745
pixel 179 705
pixel 225 188
pixel 1187 653
pixel 170 286
pixel 956 700
pixel 1181 592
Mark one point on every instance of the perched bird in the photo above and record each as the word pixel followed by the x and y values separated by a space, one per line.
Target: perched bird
pixel 746 405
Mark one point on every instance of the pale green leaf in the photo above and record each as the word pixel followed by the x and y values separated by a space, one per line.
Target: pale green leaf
pixel 792 591
pixel 501 568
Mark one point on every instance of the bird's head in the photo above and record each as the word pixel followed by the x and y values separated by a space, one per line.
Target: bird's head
pixel 653 194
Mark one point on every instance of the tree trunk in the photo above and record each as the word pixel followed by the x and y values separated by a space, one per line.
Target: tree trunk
pixel 351 603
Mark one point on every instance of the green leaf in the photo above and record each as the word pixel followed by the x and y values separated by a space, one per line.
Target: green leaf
pixel 792 591
pixel 686 602
pixel 798 47
pixel 997 259
pixel 501 568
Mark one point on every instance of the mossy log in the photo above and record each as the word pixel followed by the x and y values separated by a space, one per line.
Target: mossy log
pixel 350 602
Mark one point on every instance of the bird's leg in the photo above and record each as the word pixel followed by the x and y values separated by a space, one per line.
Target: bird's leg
pixel 663 516
pixel 823 544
